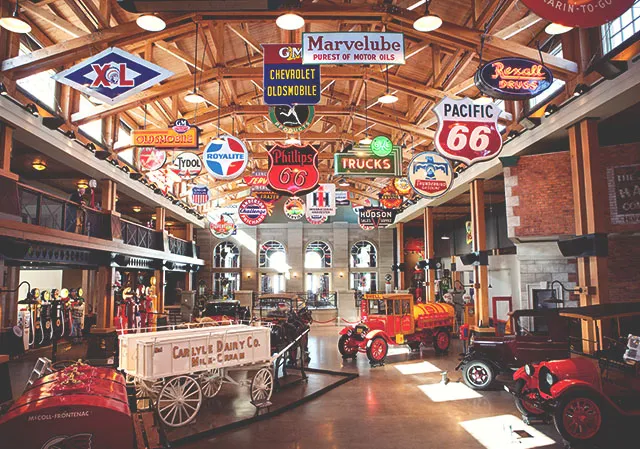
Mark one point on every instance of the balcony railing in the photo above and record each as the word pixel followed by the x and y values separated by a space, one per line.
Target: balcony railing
pixel 180 247
pixel 138 235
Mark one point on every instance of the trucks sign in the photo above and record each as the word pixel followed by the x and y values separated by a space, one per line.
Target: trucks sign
pixel 286 80
pixel 353 48
pixel 360 162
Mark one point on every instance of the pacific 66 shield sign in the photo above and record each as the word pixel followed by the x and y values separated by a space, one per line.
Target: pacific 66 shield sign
pixel 286 80
pixel 467 132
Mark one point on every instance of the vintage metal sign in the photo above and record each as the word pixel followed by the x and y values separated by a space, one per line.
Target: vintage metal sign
pixel 186 165
pixel 293 169
pixel 252 211
pixel 429 174
pixel 286 80
pixel 268 197
pixel 342 198
pixel 513 78
pixel 112 75
pixel 579 13
pixel 390 198
pixel 224 227
pixel 403 186
pixel 257 181
pixel 150 159
pixel 180 135
pixel 353 48
pixel 315 219
pixel 467 132
pixel 381 146
pixel 376 216
pixel 294 208
pixel 323 200
pixel 624 193
pixel 199 195
pixel 226 160
pixel 360 162
pixel 291 119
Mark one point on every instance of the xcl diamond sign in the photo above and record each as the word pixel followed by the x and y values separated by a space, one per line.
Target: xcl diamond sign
pixel 113 75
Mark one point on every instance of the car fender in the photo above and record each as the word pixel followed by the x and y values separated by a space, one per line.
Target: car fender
pixel 345 330
pixel 563 386
pixel 378 333
pixel 520 374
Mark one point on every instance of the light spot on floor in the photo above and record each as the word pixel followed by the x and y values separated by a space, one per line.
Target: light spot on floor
pixel 504 432
pixel 398 350
pixel 417 368
pixel 453 391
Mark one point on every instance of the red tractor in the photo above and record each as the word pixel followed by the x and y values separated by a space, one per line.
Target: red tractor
pixel 395 319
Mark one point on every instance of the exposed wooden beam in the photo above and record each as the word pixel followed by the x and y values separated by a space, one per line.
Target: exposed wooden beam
pixel 246 37
pixel 56 21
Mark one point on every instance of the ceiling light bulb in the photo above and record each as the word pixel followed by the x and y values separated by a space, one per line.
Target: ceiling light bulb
pixel 137 209
pixel 15 24
pixel 428 22
pixel 366 141
pixel 556 28
pixel 290 21
pixel 388 98
pixel 194 97
pixel 292 141
pixel 483 100
pixel 82 184
pixel 39 165
pixel 149 22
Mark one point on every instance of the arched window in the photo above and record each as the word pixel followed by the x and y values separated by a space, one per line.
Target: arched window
pixel 273 255
pixel 226 255
pixel 317 255
pixel 364 255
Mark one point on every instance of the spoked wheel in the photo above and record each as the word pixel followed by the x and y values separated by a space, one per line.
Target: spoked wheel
pixel 147 388
pixel 578 417
pixel 441 341
pixel 478 375
pixel 179 401
pixel 261 386
pixel 211 383
pixel 345 349
pixel 377 350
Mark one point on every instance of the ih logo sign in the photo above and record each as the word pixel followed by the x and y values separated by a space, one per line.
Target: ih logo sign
pixel 113 75
pixel 322 201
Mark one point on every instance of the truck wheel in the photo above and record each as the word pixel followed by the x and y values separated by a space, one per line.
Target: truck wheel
pixel 526 408
pixel 441 341
pixel 345 350
pixel 377 350
pixel 578 416
pixel 478 375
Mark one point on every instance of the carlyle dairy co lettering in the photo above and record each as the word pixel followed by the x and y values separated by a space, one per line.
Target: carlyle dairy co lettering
pixel 219 352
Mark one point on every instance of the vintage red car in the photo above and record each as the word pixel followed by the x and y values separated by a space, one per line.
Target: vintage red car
pixel 587 392
pixel 393 318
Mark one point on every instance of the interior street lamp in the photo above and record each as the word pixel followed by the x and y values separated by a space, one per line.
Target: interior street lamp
pixel 149 22
pixel 556 28
pixel 14 23
pixel 428 22
pixel 290 21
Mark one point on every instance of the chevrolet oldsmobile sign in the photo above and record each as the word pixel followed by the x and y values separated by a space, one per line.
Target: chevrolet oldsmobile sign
pixel 360 162
pixel 353 48
pixel 286 80
pixel 112 75
pixel 376 216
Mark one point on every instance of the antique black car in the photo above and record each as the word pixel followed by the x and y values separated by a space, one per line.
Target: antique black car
pixel 532 336
pixel 226 312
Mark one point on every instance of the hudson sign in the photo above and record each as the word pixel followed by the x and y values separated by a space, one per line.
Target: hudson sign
pixel 353 48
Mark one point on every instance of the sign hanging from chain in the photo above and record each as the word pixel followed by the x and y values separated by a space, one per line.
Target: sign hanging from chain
pixel 224 227
pixel 199 195
pixel 322 201
pixel 227 159
pixel 293 169
pixel 291 119
pixel 513 78
pixel 150 159
pixel 579 13
pixel 360 162
pixel 352 48
pixel 376 216
pixel 180 135
pixel 186 165
pixel 430 175
pixel 286 80
pixel 252 211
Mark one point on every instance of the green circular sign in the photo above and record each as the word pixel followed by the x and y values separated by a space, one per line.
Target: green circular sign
pixel 381 146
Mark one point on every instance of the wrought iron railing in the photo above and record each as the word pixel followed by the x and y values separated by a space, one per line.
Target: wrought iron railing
pixel 138 235
pixel 179 246
pixel 320 301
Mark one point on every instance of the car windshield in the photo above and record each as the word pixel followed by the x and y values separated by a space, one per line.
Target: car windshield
pixel 532 325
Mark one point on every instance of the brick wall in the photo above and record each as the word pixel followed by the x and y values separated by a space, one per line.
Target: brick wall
pixel 624 268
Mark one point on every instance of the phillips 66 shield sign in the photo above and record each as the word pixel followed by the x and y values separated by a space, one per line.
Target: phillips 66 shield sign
pixel 293 169
pixel 467 132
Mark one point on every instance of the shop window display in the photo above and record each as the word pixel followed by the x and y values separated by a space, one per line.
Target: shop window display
pixel 226 255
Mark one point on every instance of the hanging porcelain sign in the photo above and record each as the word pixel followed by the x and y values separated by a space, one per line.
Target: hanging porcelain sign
pixel 294 208
pixel 467 132
pixel 225 160
pixel 252 211
pixel 353 48
pixel 513 78
pixel 390 198
pixel 402 185
pixel 293 169
pixel 314 218
pixel 381 146
pixel 430 175
pixel 286 80
pixel 257 181
pixel 112 75
pixel 224 227
pixel 186 165
pixel 360 162
pixel 376 216
pixel 199 195
pixel 180 135
pixel 291 119
pixel 150 159
pixel 579 13
pixel 323 200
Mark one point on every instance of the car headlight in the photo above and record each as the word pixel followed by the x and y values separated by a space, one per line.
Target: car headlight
pixel 549 378
pixel 529 370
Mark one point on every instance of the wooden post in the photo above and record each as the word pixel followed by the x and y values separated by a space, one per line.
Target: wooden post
pixel 590 203
pixel 400 256
pixel 108 195
pixel 161 217
pixel 6 147
pixel 429 253
pixel 188 277
pixel 102 291
pixel 480 272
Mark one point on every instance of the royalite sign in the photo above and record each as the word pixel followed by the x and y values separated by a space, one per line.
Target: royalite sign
pixel 181 135
pixel 150 159
pixel 112 75
pixel 224 227
pixel 360 162
pixel 352 48
pixel 294 208
pixel 186 165
pixel 225 160
pixel 286 80
pixel 624 193
pixel 513 78
pixel 252 211
pixel 429 174
pixel 323 200
pixel 579 13
pixel 467 132
pixel 293 169
pixel 376 216
pixel 291 119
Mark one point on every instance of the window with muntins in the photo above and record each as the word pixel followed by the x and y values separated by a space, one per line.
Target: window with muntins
pixel 619 30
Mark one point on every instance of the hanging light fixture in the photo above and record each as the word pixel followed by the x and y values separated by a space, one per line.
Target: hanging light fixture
pixel 83 184
pixel 428 22
pixel 343 182
pixel 151 22
pixel 194 97
pixel 292 140
pixel 556 28
pixel 366 140
pixel 388 97
pixel 136 209
pixel 290 21
pixel 14 23
pixel 39 164
pixel 483 100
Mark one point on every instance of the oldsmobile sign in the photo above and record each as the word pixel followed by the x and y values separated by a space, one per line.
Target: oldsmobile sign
pixel 353 48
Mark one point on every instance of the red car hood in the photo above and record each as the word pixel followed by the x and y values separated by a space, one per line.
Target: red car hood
pixel 578 368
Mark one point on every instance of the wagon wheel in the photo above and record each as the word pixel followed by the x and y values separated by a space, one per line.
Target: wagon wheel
pixel 147 388
pixel 261 386
pixel 210 382
pixel 179 401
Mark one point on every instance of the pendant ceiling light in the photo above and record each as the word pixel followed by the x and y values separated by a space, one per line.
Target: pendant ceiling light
pixel 483 100
pixel 194 97
pixel 366 140
pixel 556 28
pixel 14 23
pixel 150 22
pixel 291 140
pixel 428 22
pixel 290 21
pixel 344 183
pixel 388 97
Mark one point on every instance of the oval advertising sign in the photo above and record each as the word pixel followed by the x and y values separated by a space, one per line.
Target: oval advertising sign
pixel 513 78
pixel 186 165
pixel 225 160
pixel 294 208
pixel 430 174
pixel 252 211
pixel 150 159
pixel 579 13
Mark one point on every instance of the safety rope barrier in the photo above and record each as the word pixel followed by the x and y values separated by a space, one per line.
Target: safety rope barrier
pixel 335 319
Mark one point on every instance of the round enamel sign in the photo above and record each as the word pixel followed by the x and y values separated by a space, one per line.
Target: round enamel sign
pixel 294 208
pixel 579 13
pixel 186 165
pixel 227 159
pixel 151 159
pixel 252 211
pixel 429 174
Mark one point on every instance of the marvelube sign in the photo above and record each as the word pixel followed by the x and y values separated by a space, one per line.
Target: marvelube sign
pixel 376 216
pixel 186 165
pixel 430 175
pixel 227 159
pixel 112 75
pixel 360 162
pixel 291 119
pixel 352 48
pixel 579 13
pixel 513 78
pixel 180 135
pixel 293 169
pixel 286 80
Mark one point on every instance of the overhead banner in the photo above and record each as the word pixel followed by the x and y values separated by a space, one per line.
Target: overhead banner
pixel 291 119
pixel 293 169
pixel 579 13
pixel 112 75
pixel 286 80
pixel 225 160
pixel 180 135
pixel 360 162
pixel 322 201
pixel 186 165
pixel 430 175
pixel 467 132
pixel 352 48
pixel 376 217
pixel 513 78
